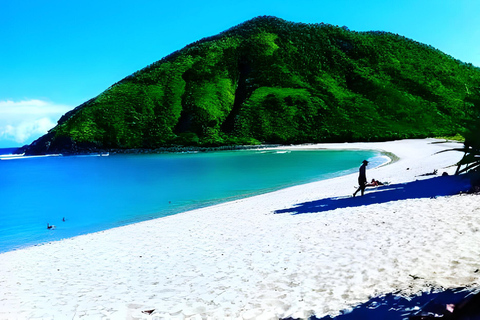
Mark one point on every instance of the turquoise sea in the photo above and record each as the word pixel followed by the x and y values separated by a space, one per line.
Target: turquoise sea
pixel 93 193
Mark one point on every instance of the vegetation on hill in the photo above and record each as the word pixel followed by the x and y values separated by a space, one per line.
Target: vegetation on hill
pixel 272 81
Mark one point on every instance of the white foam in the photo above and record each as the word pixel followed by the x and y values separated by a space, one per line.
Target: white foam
pixel 23 156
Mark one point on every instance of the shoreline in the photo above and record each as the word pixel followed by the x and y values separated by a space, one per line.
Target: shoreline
pixel 241 260
pixel 185 201
pixel 390 158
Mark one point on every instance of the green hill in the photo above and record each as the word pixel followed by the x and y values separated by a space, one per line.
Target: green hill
pixel 272 81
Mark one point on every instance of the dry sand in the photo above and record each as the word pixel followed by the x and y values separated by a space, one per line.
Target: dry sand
pixel 258 258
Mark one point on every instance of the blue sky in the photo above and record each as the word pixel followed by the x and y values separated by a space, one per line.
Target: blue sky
pixel 56 54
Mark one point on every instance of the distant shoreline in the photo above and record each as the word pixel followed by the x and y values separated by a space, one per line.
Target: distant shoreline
pixel 182 149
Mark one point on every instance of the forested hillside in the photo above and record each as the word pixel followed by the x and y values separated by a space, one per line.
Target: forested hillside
pixel 273 81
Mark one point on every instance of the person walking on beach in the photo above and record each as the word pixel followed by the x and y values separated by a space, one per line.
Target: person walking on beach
pixel 362 178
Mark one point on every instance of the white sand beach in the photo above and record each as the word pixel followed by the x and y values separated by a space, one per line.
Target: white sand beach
pixel 308 249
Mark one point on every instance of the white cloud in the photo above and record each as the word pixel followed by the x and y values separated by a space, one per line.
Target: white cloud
pixel 32 107
pixel 25 121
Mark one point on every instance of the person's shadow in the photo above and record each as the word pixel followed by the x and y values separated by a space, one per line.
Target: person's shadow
pixel 428 188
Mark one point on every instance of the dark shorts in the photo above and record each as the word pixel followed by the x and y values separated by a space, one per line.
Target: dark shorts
pixel 362 181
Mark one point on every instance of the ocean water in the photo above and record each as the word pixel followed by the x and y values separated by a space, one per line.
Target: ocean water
pixel 93 193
